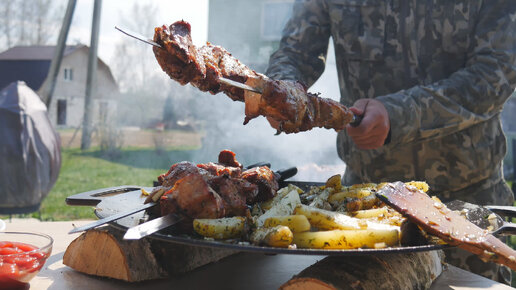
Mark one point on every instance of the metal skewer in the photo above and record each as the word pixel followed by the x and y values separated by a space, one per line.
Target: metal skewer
pixel 221 79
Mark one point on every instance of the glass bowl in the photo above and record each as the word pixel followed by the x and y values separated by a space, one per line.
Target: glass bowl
pixel 22 255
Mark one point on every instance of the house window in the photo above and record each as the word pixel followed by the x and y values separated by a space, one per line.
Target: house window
pixel 68 74
pixel 61 112
pixel 275 15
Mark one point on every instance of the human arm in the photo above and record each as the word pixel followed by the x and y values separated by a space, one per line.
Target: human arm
pixel 303 48
pixel 469 96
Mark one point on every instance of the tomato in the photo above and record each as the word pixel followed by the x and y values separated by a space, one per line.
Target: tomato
pixel 9 269
pixel 9 251
pixel 18 264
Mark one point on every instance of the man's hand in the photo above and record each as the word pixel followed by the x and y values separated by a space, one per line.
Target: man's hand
pixel 375 125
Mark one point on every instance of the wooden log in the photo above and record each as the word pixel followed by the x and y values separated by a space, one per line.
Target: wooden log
pixel 104 252
pixel 386 271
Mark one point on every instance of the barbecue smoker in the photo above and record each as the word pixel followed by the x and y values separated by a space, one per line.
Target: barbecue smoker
pixel 30 154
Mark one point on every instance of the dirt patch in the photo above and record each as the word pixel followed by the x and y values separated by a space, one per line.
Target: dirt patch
pixel 138 138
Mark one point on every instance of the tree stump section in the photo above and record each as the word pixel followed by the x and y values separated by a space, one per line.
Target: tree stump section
pixel 386 271
pixel 104 252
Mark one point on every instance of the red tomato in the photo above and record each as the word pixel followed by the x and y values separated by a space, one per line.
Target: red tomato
pixel 9 269
pixel 19 264
pixel 9 251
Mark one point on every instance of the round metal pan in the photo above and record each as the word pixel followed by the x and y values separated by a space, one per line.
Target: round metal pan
pixel 126 200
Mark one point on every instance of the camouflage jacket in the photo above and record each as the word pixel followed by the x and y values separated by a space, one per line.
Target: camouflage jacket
pixel 443 69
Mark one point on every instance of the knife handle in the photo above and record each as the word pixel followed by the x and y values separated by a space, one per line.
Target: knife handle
pixel 286 173
pixel 356 120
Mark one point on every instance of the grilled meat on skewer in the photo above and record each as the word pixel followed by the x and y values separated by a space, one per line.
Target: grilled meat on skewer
pixel 201 67
pixel 213 190
pixel 283 101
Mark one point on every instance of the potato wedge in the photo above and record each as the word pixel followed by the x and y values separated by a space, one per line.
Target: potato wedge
pixel 421 185
pixel 364 185
pixel 321 200
pixel 354 204
pixel 222 228
pixel 370 213
pixel 278 236
pixel 334 182
pixel 266 205
pixel 346 239
pixel 296 223
pixel 350 193
pixel 284 207
pixel 330 220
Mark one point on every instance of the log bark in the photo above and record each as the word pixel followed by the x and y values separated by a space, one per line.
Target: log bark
pixel 386 271
pixel 104 252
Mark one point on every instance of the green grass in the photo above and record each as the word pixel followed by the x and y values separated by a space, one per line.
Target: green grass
pixel 93 169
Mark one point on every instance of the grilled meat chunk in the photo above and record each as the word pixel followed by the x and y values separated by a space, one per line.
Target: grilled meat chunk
pixel 229 190
pixel 218 169
pixel 192 196
pixel 176 172
pixel 201 67
pixel 212 190
pixel 286 102
pixel 266 180
pixel 227 158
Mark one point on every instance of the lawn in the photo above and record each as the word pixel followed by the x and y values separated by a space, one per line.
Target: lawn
pixel 92 169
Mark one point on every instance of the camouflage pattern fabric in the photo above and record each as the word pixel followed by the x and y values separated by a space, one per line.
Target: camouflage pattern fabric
pixel 443 69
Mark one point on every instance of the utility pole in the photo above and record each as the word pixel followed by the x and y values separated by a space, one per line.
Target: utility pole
pixel 91 77
pixel 55 65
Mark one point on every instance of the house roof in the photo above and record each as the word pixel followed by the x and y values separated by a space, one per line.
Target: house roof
pixel 31 64
pixel 35 52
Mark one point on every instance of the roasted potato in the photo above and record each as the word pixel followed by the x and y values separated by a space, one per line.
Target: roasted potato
pixel 278 236
pixel 330 220
pixel 222 228
pixel 334 182
pixel 346 239
pixel 296 223
pixel 421 185
pixel 351 193
pixel 282 192
pixel 285 206
pixel 370 213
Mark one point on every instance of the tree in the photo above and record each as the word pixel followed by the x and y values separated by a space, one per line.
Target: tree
pixel 28 22
pixel 135 66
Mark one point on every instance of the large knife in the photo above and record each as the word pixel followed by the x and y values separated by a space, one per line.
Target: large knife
pixel 166 221
pixel 152 226
pixel 112 218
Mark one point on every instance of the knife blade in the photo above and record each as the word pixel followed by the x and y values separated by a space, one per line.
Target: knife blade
pixel 152 226
pixel 112 218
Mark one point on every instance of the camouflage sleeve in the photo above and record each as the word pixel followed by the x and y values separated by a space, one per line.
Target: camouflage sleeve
pixel 469 96
pixel 304 45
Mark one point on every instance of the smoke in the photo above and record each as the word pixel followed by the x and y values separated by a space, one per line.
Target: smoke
pixel 219 119
pixel 313 152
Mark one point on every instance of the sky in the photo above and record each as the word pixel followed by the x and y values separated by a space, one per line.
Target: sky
pixel 193 11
